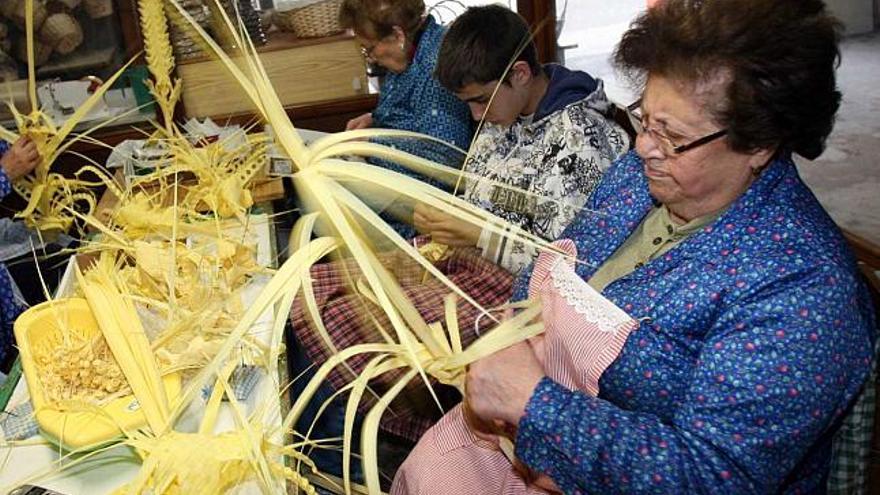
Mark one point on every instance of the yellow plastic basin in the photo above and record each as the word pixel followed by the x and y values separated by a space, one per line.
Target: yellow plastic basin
pixel 80 429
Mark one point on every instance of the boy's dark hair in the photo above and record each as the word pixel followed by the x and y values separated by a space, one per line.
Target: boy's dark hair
pixel 780 56
pixel 480 44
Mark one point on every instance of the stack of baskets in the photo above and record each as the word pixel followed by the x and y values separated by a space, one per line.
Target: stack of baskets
pixel 310 18
pixel 185 47
pixel 250 19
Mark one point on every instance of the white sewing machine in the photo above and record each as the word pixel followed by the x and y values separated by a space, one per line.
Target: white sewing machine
pixel 60 99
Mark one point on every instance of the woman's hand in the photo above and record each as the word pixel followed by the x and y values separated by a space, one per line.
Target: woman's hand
pixel 20 159
pixel 444 228
pixel 365 121
pixel 499 386
pixel 498 389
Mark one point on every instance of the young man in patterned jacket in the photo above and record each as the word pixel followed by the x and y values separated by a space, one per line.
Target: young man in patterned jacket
pixel 546 140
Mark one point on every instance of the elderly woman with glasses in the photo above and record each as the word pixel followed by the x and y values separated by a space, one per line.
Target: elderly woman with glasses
pixel 739 332
pixel 402 38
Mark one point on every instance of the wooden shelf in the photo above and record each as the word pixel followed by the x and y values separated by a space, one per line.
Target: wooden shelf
pixel 279 40
pixel 302 72
pixel 308 114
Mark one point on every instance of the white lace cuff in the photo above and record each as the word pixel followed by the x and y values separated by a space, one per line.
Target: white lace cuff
pixel 585 300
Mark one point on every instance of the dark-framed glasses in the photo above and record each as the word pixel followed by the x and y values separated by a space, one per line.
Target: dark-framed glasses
pixel 639 123
pixel 367 51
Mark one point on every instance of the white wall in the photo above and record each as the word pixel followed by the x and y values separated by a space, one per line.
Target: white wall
pixel 856 15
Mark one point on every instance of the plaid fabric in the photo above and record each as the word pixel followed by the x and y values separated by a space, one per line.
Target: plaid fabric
pixel 19 423
pixel 348 317
pixel 851 446
pixel 243 381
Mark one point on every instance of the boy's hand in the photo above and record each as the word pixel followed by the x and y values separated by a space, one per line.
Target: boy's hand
pixel 444 228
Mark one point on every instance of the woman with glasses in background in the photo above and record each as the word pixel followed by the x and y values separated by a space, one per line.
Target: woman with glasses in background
pixel 403 39
pixel 750 333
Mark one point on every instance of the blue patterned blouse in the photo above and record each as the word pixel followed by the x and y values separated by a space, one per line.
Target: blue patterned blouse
pixel 9 308
pixel 415 101
pixel 755 337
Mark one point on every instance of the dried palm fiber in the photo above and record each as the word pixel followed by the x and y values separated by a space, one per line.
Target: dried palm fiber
pixel 256 457
pixel 320 153
pixel 226 460
pixel 222 175
pixel 61 32
pixel 259 464
pixel 51 196
pixel 79 368
pixel 253 456
pixel 222 178
pixel 417 344
pixel 122 329
pixel 197 277
pixel 163 468
pixel 412 344
pixel 69 406
pixel 160 58
pixel 206 303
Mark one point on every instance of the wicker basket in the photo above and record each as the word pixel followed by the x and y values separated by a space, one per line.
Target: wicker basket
pixel 14 10
pixel 62 32
pixel 42 51
pixel 312 21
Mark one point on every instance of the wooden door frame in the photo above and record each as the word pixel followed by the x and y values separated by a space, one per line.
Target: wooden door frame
pixel 541 13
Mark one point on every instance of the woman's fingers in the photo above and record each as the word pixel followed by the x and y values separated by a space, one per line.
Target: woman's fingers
pixel 362 122
pixel 499 386
pixel 31 153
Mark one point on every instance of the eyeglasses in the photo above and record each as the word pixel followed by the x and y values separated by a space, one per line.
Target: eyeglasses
pixel 639 123
pixel 367 52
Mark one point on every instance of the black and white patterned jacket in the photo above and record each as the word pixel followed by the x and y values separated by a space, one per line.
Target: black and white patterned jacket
pixel 553 160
